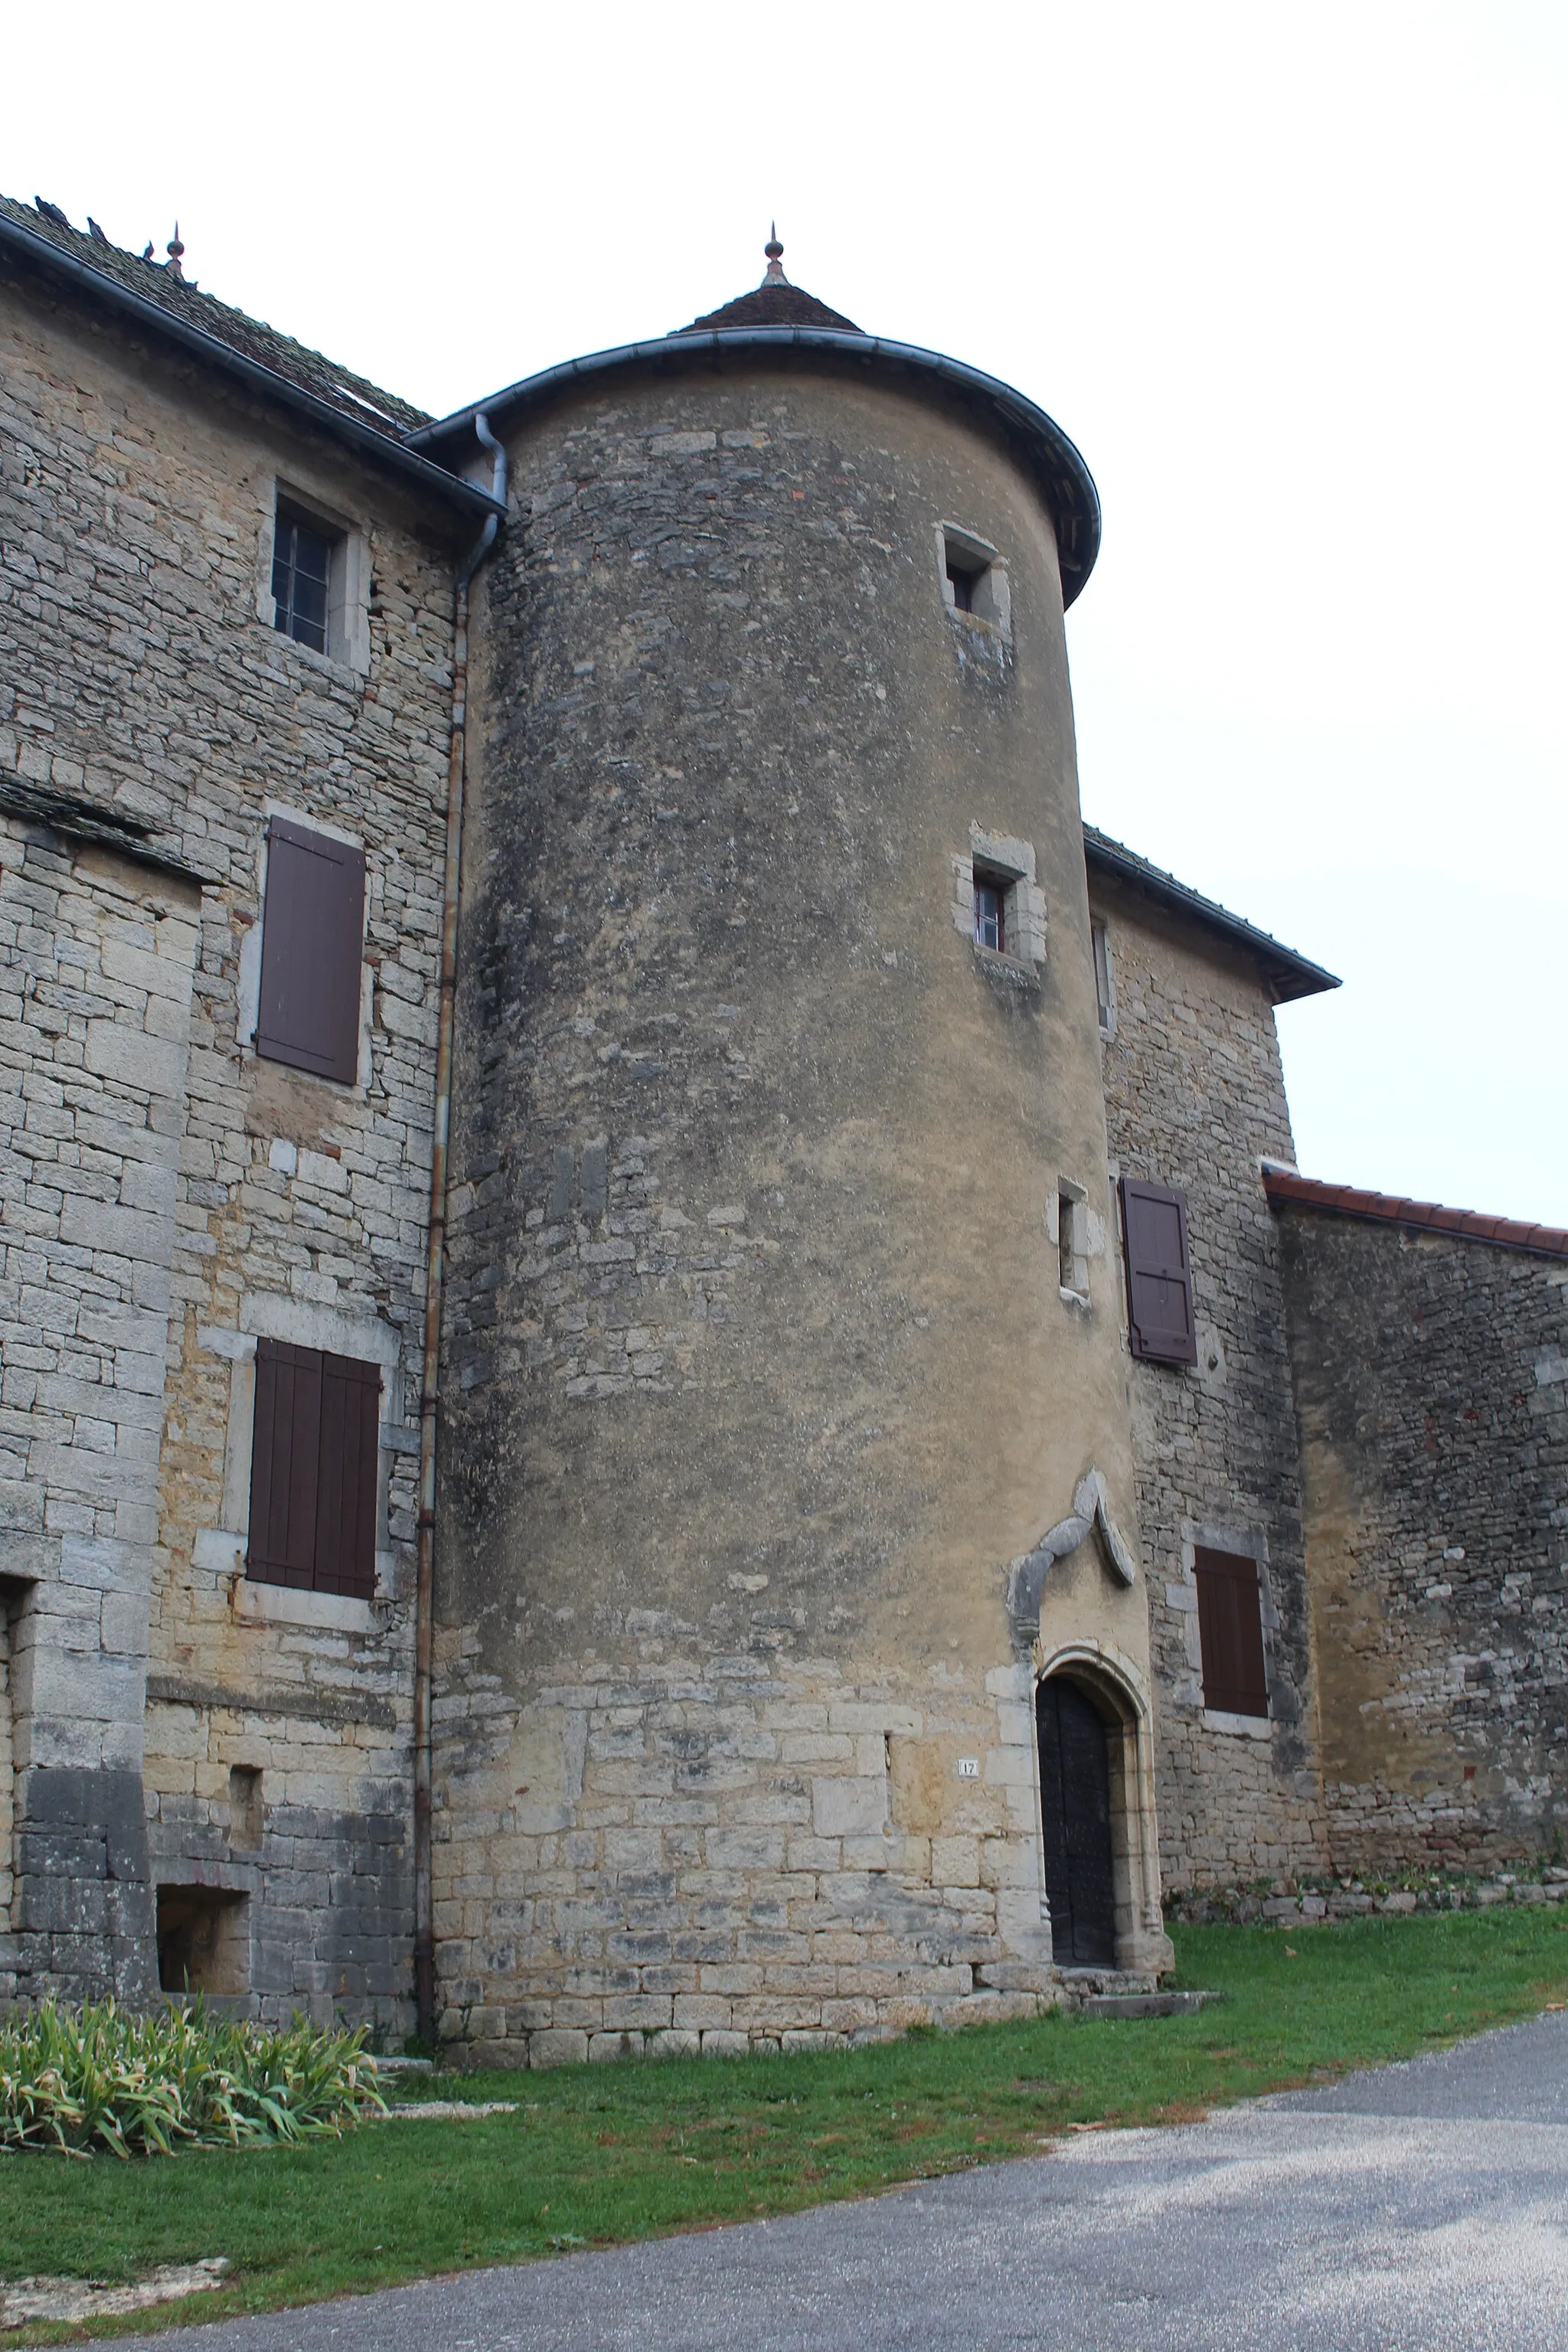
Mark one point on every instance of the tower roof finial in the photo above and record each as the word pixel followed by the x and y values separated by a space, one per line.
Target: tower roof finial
pixel 176 252
pixel 774 252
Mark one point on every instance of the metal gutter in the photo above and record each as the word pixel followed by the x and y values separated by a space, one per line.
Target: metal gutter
pixel 1066 477
pixel 436 1258
pixel 1293 975
pixel 43 253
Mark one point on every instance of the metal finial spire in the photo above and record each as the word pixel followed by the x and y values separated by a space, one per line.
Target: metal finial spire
pixel 774 252
pixel 176 252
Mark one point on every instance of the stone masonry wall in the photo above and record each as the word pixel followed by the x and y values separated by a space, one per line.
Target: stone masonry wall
pixel 1194 1098
pixel 766 1374
pixel 97 957
pixel 138 671
pixel 7 1790
pixel 1432 1383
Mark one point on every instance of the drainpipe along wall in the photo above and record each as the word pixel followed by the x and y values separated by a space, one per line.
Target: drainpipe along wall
pixel 424 1590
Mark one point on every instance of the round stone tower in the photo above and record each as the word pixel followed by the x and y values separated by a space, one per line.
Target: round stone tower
pixel 785 1450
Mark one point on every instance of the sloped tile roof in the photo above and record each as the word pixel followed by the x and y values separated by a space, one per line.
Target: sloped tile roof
pixel 1283 1185
pixel 776 304
pixel 1290 975
pixel 366 404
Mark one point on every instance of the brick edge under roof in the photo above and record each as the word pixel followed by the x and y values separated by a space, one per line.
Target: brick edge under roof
pixel 1283 1184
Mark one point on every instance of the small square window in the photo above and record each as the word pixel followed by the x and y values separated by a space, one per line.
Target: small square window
pixel 961 579
pixel 974 580
pixel 303 549
pixel 991 914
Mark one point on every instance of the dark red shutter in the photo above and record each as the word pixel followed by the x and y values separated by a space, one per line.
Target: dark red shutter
pixel 314 1464
pixel 345 1500
pixel 285 1453
pixel 1230 1632
pixel 1159 1273
pixel 312 940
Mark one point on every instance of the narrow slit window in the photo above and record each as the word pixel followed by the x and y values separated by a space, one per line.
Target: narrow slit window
pixel 302 553
pixel 1067 1212
pixel 1104 991
pixel 990 916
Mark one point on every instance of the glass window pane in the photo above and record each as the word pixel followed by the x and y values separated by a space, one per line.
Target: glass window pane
pixel 312 555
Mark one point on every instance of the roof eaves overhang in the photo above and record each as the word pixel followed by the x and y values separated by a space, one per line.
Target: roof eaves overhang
pixel 397 456
pixel 1289 976
pixel 1065 479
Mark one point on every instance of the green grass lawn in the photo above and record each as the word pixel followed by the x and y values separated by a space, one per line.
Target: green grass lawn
pixel 597 2156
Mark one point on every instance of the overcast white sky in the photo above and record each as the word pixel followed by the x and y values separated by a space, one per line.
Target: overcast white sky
pixel 1291 277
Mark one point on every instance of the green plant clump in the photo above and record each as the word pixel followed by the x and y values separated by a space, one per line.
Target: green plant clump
pixel 80 2080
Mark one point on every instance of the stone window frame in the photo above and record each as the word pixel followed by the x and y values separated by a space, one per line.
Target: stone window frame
pixel 248 1008
pixel 1243 1543
pixel 347 657
pixel 1004 861
pixel 1077 1234
pixel 992 610
pixel 265 1314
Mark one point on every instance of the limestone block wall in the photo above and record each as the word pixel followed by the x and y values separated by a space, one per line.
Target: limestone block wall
pixel 1432 1383
pixel 94 1047
pixel 1194 1098
pixel 138 671
pixel 7 1802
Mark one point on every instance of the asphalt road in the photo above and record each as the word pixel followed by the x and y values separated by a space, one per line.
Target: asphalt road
pixel 1416 2207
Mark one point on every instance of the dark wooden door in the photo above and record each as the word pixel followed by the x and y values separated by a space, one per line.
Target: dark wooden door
pixel 1075 1801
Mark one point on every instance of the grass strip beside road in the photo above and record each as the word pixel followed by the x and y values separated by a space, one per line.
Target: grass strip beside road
pixel 603 2154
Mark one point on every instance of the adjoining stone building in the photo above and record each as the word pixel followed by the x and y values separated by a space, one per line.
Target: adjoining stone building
pixel 670 1034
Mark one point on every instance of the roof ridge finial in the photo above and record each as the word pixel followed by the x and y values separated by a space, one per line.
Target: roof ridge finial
pixel 176 252
pixel 774 252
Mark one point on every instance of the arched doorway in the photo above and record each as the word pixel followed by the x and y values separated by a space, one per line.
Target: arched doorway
pixel 1074 1808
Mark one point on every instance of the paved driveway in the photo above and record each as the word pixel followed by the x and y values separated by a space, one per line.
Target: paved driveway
pixel 1423 2205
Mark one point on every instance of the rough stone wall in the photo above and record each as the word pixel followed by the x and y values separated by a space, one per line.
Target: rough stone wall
pixel 1194 1098
pixel 96 1039
pixel 7 1800
pixel 754 1305
pixel 1432 1383
pixel 138 668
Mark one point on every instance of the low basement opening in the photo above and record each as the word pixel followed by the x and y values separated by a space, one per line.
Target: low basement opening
pixel 203 1939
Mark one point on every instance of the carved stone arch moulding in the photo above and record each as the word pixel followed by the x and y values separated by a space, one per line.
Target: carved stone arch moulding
pixel 1090 1513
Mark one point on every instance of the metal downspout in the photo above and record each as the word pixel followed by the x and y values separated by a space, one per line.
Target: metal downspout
pixel 425 1589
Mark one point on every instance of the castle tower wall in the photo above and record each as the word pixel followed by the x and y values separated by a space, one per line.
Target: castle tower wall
pixel 761 1362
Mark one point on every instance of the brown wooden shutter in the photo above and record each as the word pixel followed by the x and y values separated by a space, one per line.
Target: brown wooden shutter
pixel 1230 1632
pixel 312 940
pixel 314 1464
pixel 1159 1273
pixel 285 1456
pixel 345 1493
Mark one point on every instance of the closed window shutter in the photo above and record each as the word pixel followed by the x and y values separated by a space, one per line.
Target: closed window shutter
pixel 285 1456
pixel 1159 1273
pixel 1230 1632
pixel 313 1471
pixel 312 940
pixel 345 1493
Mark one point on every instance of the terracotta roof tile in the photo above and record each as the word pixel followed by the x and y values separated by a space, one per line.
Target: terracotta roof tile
pixel 1283 1184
